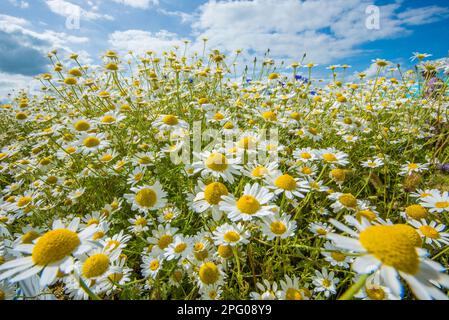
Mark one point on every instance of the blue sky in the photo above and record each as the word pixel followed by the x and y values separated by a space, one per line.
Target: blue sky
pixel 330 31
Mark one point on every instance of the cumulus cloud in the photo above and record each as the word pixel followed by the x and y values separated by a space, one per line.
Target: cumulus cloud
pixel 67 9
pixel 11 83
pixel 141 41
pixel 325 29
pixel 20 4
pixel 139 4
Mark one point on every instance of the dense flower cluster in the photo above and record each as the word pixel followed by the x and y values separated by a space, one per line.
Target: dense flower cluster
pixel 351 201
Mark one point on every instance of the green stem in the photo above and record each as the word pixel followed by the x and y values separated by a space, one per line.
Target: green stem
pixel 349 294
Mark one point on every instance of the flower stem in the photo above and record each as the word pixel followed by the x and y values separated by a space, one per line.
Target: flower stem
pixel 349 294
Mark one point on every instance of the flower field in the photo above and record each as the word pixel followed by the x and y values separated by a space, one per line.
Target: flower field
pixel 177 177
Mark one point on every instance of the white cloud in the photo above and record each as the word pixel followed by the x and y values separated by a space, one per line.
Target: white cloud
pixel 10 83
pixel 20 4
pixel 185 17
pixel 37 40
pixel 139 4
pixel 68 9
pixel 141 41
pixel 325 29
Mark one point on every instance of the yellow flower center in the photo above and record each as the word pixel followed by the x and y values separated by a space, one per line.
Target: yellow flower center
pixel 106 157
pixel 91 142
pixel 326 283
pixel 70 150
pixel 412 166
pixel 367 214
pixel 348 200
pixel 228 125
pixel 93 221
pixel 305 155
pixel 217 162
pixel 209 273
pixel 28 237
pixel 293 294
pixel 115 277
pixel 259 171
pixel 141 222
pixel 54 246
pixel 82 125
pixel 95 265
pixel 170 120
pixel 108 119
pixel 338 174
pixel 429 232
pixel 329 157
pixel 247 143
pixel 338 256
pixel 23 201
pixel 441 204
pixel 269 115
pixel 306 170
pixel 248 204
pixel 231 236
pixel 285 182
pixel 225 251
pixel 98 235
pixel 218 116
pixel 164 241
pixel 278 227
pixel 393 246
pixel 416 211
pixel 375 293
pixel 154 265
pixel 51 180
pixel 198 246
pixel 180 247
pixel 214 191
pixel 146 197
pixel 21 116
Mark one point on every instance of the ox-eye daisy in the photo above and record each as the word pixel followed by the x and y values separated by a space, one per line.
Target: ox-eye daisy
pixel 288 185
pixel 393 250
pixel 52 252
pixel 209 198
pixel 437 202
pixel 218 165
pixel 252 203
pixel 432 233
pixel 231 235
pixel 274 226
pixel 147 198
pixel 326 282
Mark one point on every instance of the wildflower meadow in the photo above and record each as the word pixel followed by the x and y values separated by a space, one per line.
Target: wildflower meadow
pixel 177 176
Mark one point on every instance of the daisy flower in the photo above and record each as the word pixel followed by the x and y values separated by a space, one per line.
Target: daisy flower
pixel 325 282
pixel 343 201
pixel 147 198
pixel 257 171
pixel 53 251
pixel 209 198
pixel 290 289
pixel 374 289
pixel 139 224
pixel 333 157
pixel 304 155
pixel 180 248
pixel 231 235
pixel 91 142
pixel 437 202
pixel 150 266
pixel 253 203
pixel 218 165
pixel 274 226
pixel 211 292
pixel 411 167
pixel 394 251
pixel 169 122
pixel 210 273
pixel 432 233
pixel 162 237
pixel 288 185
pixel 267 290
pixel 335 257
pixel 373 163
pixel 320 229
